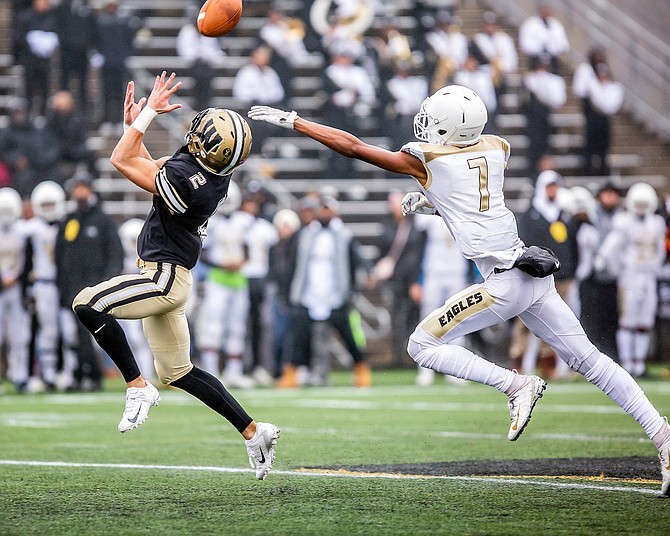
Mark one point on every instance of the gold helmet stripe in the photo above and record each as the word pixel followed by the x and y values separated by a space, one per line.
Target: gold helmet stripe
pixel 238 142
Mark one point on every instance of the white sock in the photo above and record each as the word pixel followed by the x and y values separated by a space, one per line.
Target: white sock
pixel 620 386
pixel 642 342
pixel 624 345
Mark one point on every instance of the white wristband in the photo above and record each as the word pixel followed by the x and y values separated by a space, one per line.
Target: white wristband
pixel 145 118
pixel 125 127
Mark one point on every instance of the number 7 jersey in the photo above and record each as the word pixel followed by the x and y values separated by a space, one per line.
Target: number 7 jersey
pixel 465 184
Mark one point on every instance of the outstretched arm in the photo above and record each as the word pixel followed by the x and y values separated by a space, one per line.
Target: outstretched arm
pixel 129 156
pixel 343 142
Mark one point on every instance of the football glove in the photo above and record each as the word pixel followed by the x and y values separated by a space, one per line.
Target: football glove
pixel 416 202
pixel 273 116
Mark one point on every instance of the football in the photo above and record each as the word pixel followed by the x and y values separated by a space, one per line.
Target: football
pixel 218 17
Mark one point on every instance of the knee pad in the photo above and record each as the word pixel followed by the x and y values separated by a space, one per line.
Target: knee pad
pixel 90 318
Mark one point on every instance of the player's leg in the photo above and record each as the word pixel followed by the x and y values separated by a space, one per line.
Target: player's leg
pixel 341 319
pixel 209 325
pixel 551 319
pixel 646 320
pixel 17 324
pixel 169 339
pixel 46 309
pixel 235 318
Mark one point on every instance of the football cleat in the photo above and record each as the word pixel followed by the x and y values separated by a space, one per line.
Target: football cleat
pixel 138 403
pixel 521 405
pixel 664 458
pixel 261 448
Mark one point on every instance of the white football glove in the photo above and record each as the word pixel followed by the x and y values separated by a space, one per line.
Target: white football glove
pixel 416 202
pixel 273 116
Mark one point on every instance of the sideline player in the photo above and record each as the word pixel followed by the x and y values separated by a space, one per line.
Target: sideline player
pixel 186 188
pixel 461 173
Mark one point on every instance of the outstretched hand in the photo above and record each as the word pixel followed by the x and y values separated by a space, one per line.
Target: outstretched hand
pixel 273 116
pixel 131 109
pixel 159 98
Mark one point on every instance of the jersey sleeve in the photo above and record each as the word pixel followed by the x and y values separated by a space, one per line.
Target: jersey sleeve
pixel 415 149
pixel 173 189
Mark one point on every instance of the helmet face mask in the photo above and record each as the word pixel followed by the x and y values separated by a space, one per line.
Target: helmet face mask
pixel 219 139
pixel 453 115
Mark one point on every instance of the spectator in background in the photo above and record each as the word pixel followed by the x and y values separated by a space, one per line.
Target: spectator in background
pixel 544 92
pixel 200 53
pixel 543 35
pixel 602 97
pixel 284 35
pixel 36 44
pixel 546 223
pixel 598 291
pixel 634 250
pixel 480 80
pixel 29 151
pixel 287 223
pixel 407 91
pixel 401 245
pixel 493 47
pixel 67 124
pixel 443 272
pixel 258 83
pixel 448 45
pixel 351 98
pixel 76 26
pixel 114 38
pixel 325 258
pixel 88 248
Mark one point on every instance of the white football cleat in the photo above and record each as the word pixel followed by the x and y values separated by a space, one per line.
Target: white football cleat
pixel 261 448
pixel 138 403
pixel 664 458
pixel 521 405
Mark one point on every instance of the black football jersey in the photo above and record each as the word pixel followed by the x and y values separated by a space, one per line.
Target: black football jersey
pixel 187 196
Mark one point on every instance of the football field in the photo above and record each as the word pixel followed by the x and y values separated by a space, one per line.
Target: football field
pixel 393 459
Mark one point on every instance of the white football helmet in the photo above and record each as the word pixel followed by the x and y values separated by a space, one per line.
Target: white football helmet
pixel 232 201
pixel 11 206
pixel 286 218
pixel 641 199
pixel 453 115
pixel 128 233
pixel 583 201
pixel 48 201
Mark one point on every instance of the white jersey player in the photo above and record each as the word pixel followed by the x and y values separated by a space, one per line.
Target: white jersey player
pixel 48 204
pixel 128 233
pixel 635 250
pixel 221 324
pixel 461 173
pixel 14 319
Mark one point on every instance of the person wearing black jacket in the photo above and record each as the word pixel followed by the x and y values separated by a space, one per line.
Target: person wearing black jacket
pixel 88 247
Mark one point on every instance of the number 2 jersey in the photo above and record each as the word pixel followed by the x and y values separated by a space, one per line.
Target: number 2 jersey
pixel 465 184
pixel 177 223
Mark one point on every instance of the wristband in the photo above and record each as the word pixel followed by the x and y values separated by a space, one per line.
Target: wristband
pixel 145 118
pixel 125 127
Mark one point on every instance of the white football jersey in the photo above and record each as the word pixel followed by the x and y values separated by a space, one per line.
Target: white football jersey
pixel 225 240
pixel 43 238
pixel 465 184
pixel 12 251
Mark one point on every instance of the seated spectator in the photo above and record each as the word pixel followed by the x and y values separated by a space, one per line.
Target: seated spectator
pixel 543 34
pixel 602 97
pixel 67 124
pixel 493 47
pixel 28 149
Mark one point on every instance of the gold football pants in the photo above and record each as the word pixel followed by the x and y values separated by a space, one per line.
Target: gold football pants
pixel 157 295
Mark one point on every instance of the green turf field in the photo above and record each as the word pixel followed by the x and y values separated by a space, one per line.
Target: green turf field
pixel 64 468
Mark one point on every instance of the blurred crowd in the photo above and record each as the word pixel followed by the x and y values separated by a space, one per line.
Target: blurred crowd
pixel 276 281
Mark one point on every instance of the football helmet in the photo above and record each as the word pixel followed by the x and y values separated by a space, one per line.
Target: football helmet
pixel 641 199
pixel 11 206
pixel 453 115
pixel 232 201
pixel 219 139
pixel 583 201
pixel 128 233
pixel 48 201
pixel 288 218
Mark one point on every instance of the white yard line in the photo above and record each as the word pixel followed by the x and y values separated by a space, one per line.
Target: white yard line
pixel 336 474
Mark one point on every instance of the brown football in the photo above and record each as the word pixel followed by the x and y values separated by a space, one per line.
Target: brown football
pixel 218 17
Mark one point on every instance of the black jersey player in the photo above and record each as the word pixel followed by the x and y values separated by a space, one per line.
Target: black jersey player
pixel 187 187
